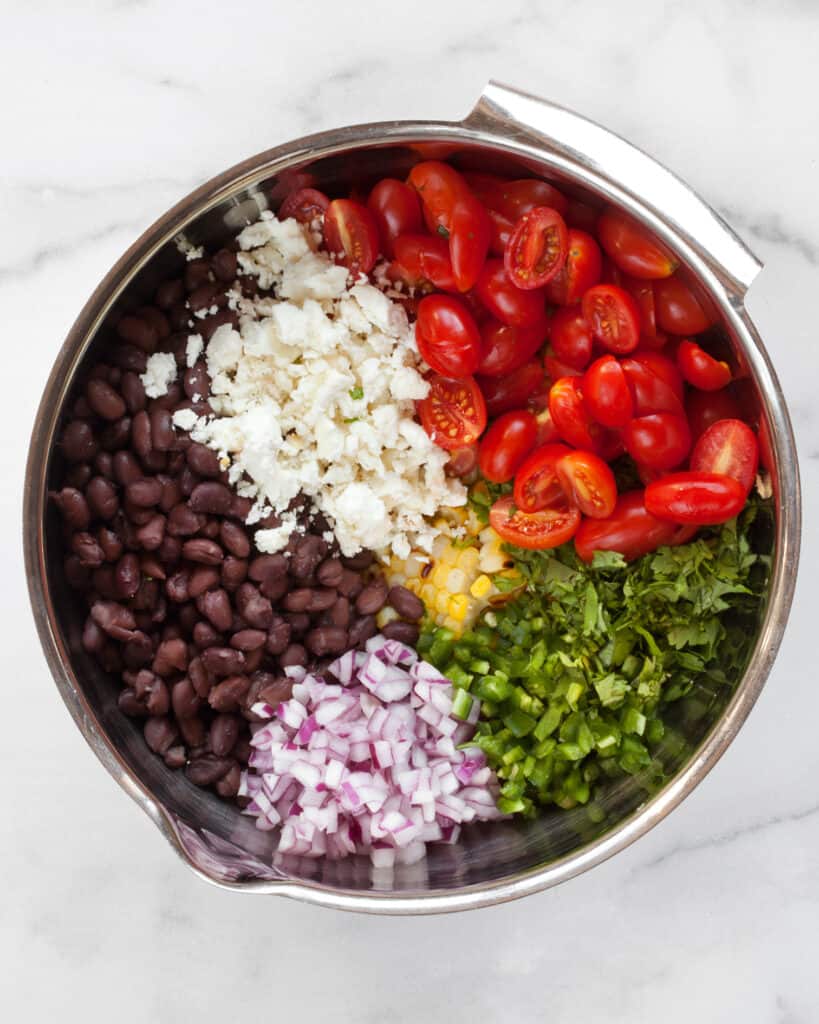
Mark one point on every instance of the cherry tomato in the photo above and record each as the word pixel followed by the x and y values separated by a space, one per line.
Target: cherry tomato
pixel 537 248
pixel 489 191
pixel 581 216
pixel 702 499
pixel 546 432
pixel 536 482
pixel 506 444
pixel 513 390
pixel 643 294
pixel 659 441
pixel 701 370
pixel 351 235
pixel 704 408
pixel 548 528
pixel 632 247
pixel 607 394
pixel 397 211
pixel 504 300
pixel 506 348
pixel 728 447
pixel 469 235
pixel 579 273
pixel 613 316
pixel 447 335
pixel 520 196
pixel 425 258
pixel 588 483
pixel 556 368
pixel 570 415
pixel 462 462
pixel 305 204
pixel 655 383
pixel 439 187
pixel 679 311
pixel 570 337
pixel 630 529
pixel 454 412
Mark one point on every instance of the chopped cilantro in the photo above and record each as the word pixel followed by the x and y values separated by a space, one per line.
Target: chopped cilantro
pixel 356 393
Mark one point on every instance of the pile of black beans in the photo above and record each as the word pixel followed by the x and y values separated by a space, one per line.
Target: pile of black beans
pixel 188 617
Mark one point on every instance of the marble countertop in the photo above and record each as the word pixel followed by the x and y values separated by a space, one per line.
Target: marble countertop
pixel 113 110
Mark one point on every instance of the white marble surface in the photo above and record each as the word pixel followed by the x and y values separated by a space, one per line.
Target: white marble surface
pixel 113 110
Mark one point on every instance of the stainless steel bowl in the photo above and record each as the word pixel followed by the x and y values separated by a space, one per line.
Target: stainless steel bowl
pixel 517 134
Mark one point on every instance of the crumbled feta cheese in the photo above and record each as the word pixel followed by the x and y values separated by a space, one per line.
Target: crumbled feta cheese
pixel 315 394
pixel 193 349
pixel 185 419
pixel 160 373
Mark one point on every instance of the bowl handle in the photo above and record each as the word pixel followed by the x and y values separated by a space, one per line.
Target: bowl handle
pixel 626 173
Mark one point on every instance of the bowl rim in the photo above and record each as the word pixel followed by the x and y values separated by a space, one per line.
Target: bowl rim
pixel 782 583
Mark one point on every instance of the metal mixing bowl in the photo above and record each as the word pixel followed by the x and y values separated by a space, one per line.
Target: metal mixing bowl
pixel 518 135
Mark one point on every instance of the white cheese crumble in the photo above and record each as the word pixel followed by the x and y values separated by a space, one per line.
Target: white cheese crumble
pixel 193 349
pixel 315 394
pixel 160 373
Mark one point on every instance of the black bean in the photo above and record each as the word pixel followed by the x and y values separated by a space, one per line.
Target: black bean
pixel 198 675
pixel 129 705
pixel 176 586
pixel 151 315
pixel 294 654
pixel 209 325
pixel 211 498
pixel 330 572
pixel 298 600
pixel 351 584
pixel 207 769
pixel 144 493
pixel 136 331
pixel 130 359
pixel 234 572
pixel 183 521
pixel 171 492
pixel 138 651
pixel 248 639
pixel 228 786
pixel 151 535
pixel 73 507
pixel 278 636
pixel 160 734
pixel 234 539
pixel 339 614
pixel 93 638
pixel 104 583
pixel 196 381
pixel 405 632
pixel 202 578
pixel 203 460
pixel 240 508
pixel 222 661
pixel 358 562
pixel 299 621
pixel 127 576
pixel 256 610
pixel 104 464
pixel 361 630
pixel 114 619
pixel 224 731
pixel 224 264
pixel 169 293
pixel 116 435
pixel 76 574
pixel 204 296
pixel 407 604
pixel 141 434
pixel 110 543
pixel 175 756
pixel 86 548
pixel 309 552
pixel 78 442
pixel 228 695
pixel 202 550
pixel 104 400
pixel 196 272
pixel 193 731
pixel 171 656
pixel 126 468
pixel 77 475
pixel 163 436
pixel 157 698
pixel 204 635
pixel 184 699
pixel 215 606
pixel 326 640
pixel 372 598
pixel 133 392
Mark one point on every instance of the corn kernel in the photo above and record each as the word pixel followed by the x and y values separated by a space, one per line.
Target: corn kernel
pixel 413 566
pixel 386 615
pixel 439 575
pixel 468 560
pixel 453 624
pixel 456 581
pixel 458 606
pixel 427 594
pixel 481 587
pixel 492 559
pixel 442 602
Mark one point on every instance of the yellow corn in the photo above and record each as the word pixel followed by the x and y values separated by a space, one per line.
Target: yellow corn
pixel 481 586
pixel 458 606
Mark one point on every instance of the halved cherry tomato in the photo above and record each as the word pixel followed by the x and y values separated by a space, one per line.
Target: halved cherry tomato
pixel 728 447
pixel 570 415
pixel 613 316
pixel 655 383
pixel 607 394
pixel 504 300
pixel 643 294
pixel 469 234
pixel 305 204
pixel 706 407
pixel 439 187
pixel 506 348
pixel 548 528
pixel 546 431
pixel 506 444
pixel 679 311
pixel 425 258
pixel 489 191
pixel 462 462
pixel 556 368
pixel 513 390
pixel 580 271
pixel 454 412
pixel 571 337
pixel 630 529
pixel 701 370
pixel 632 247
pixel 351 235
pixel 537 248
pixel 396 209
pixel 588 483
pixel 659 441
pixel 447 335
pixel 536 482
pixel 702 499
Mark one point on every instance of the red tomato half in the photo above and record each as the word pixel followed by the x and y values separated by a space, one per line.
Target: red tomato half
pixel 425 258
pixel 659 441
pixel 546 432
pixel 630 529
pixel 305 204
pixel 728 447
pixel 506 348
pixel 556 368
pixel 632 247
pixel 469 235
pixel 397 211
pixel 588 483
pixel 447 335
pixel 439 187
pixel 702 499
pixel 607 394
pixel 655 383
pixel 351 235
pixel 643 294
pixel 548 528
pixel 504 300
pixel 520 196
pixel 679 311
pixel 536 482
pixel 571 337
pixel 704 408
pixel 506 444
pixel 701 370
pixel 579 273
pixel 462 461
pixel 513 390
pixel 537 248
pixel 570 415
pixel 613 316
pixel 454 412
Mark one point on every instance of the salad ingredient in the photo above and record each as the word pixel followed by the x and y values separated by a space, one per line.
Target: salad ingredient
pixel 469 237
pixel 631 531
pixel 506 444
pixel 546 528
pixel 613 317
pixel 306 205
pixel 659 441
pixel 730 447
pixel 700 498
pixel 505 349
pixel 571 337
pixel 513 390
pixel 453 413
pixel 505 300
pixel 396 210
pixel 537 249
pixel 370 764
pixel 706 407
pixel 678 309
pixel 160 373
pixel 425 261
pixel 439 187
pixel 580 272
pixel 655 383
pixel 447 335
pixel 588 483
pixel 571 415
pixel 351 235
pixel 631 247
pixel 700 369
pixel 606 393
pixel 536 481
